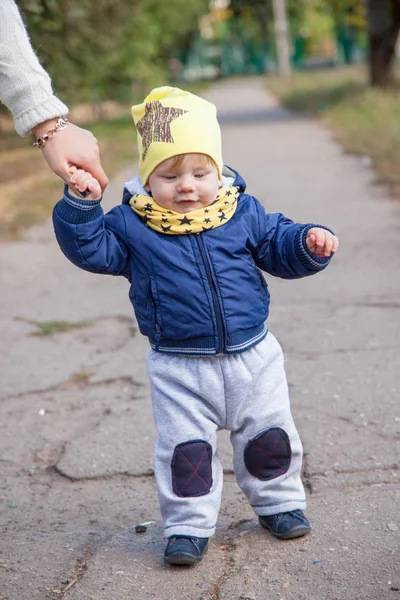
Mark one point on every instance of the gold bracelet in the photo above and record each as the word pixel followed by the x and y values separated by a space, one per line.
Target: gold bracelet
pixel 61 124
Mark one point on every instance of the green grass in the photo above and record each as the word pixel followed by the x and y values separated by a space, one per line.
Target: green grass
pixel 52 327
pixel 313 92
pixel 363 120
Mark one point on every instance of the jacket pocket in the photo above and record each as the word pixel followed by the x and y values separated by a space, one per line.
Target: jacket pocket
pixel 263 284
pixel 139 296
pixel 155 303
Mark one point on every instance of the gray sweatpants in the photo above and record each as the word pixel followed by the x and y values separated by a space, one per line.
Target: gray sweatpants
pixel 245 393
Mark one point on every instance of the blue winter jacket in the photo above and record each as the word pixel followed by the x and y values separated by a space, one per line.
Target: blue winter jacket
pixel 192 294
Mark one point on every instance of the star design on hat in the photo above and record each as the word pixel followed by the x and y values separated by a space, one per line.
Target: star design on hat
pixel 155 125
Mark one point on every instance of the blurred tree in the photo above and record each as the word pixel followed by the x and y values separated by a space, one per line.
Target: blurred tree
pixel 352 12
pixel 382 23
pixel 259 10
pixel 97 49
pixel 258 15
pixel 383 31
pixel 349 18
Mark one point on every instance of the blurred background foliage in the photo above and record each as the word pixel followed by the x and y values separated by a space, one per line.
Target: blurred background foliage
pixel 105 48
pixel 118 49
pixel 105 55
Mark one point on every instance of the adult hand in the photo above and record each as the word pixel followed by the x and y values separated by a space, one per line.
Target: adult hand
pixel 71 146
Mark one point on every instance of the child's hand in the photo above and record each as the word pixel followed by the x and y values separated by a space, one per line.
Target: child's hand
pixel 82 181
pixel 321 242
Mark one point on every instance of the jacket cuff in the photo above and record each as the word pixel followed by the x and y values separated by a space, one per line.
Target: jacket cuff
pixel 309 259
pixel 77 210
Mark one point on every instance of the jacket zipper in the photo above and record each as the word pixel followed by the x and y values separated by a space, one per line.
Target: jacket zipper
pixel 217 306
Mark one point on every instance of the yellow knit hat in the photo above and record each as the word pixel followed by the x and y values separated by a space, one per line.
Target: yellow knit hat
pixel 172 121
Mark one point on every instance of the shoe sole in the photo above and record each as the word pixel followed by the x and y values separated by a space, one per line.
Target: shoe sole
pixel 183 559
pixel 289 535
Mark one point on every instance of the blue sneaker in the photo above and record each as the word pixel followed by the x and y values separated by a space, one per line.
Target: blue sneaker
pixel 287 525
pixel 185 550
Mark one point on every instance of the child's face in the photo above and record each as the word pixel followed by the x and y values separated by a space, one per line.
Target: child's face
pixel 186 184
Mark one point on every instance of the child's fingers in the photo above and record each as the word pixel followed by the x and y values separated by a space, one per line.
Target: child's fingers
pixel 335 244
pixel 328 245
pixel 76 175
pixel 94 187
pixel 84 184
pixel 310 241
pixel 320 241
pixel 82 181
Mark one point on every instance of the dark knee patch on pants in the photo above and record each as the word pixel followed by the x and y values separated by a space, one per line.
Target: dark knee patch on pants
pixel 268 454
pixel 191 469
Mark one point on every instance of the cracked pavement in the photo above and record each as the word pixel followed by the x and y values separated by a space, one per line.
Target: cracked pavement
pixel 77 435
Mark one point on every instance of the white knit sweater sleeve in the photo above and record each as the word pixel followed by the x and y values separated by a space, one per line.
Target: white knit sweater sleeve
pixel 25 87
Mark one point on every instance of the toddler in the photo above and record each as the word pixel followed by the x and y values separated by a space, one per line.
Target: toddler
pixel 193 245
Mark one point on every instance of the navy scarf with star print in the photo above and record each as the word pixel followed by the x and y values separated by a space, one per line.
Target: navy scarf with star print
pixel 174 223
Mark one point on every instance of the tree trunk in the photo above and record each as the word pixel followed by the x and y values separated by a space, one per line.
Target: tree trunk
pixel 261 14
pixel 282 38
pixel 383 30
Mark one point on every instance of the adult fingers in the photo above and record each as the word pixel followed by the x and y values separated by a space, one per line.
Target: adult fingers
pixel 98 173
